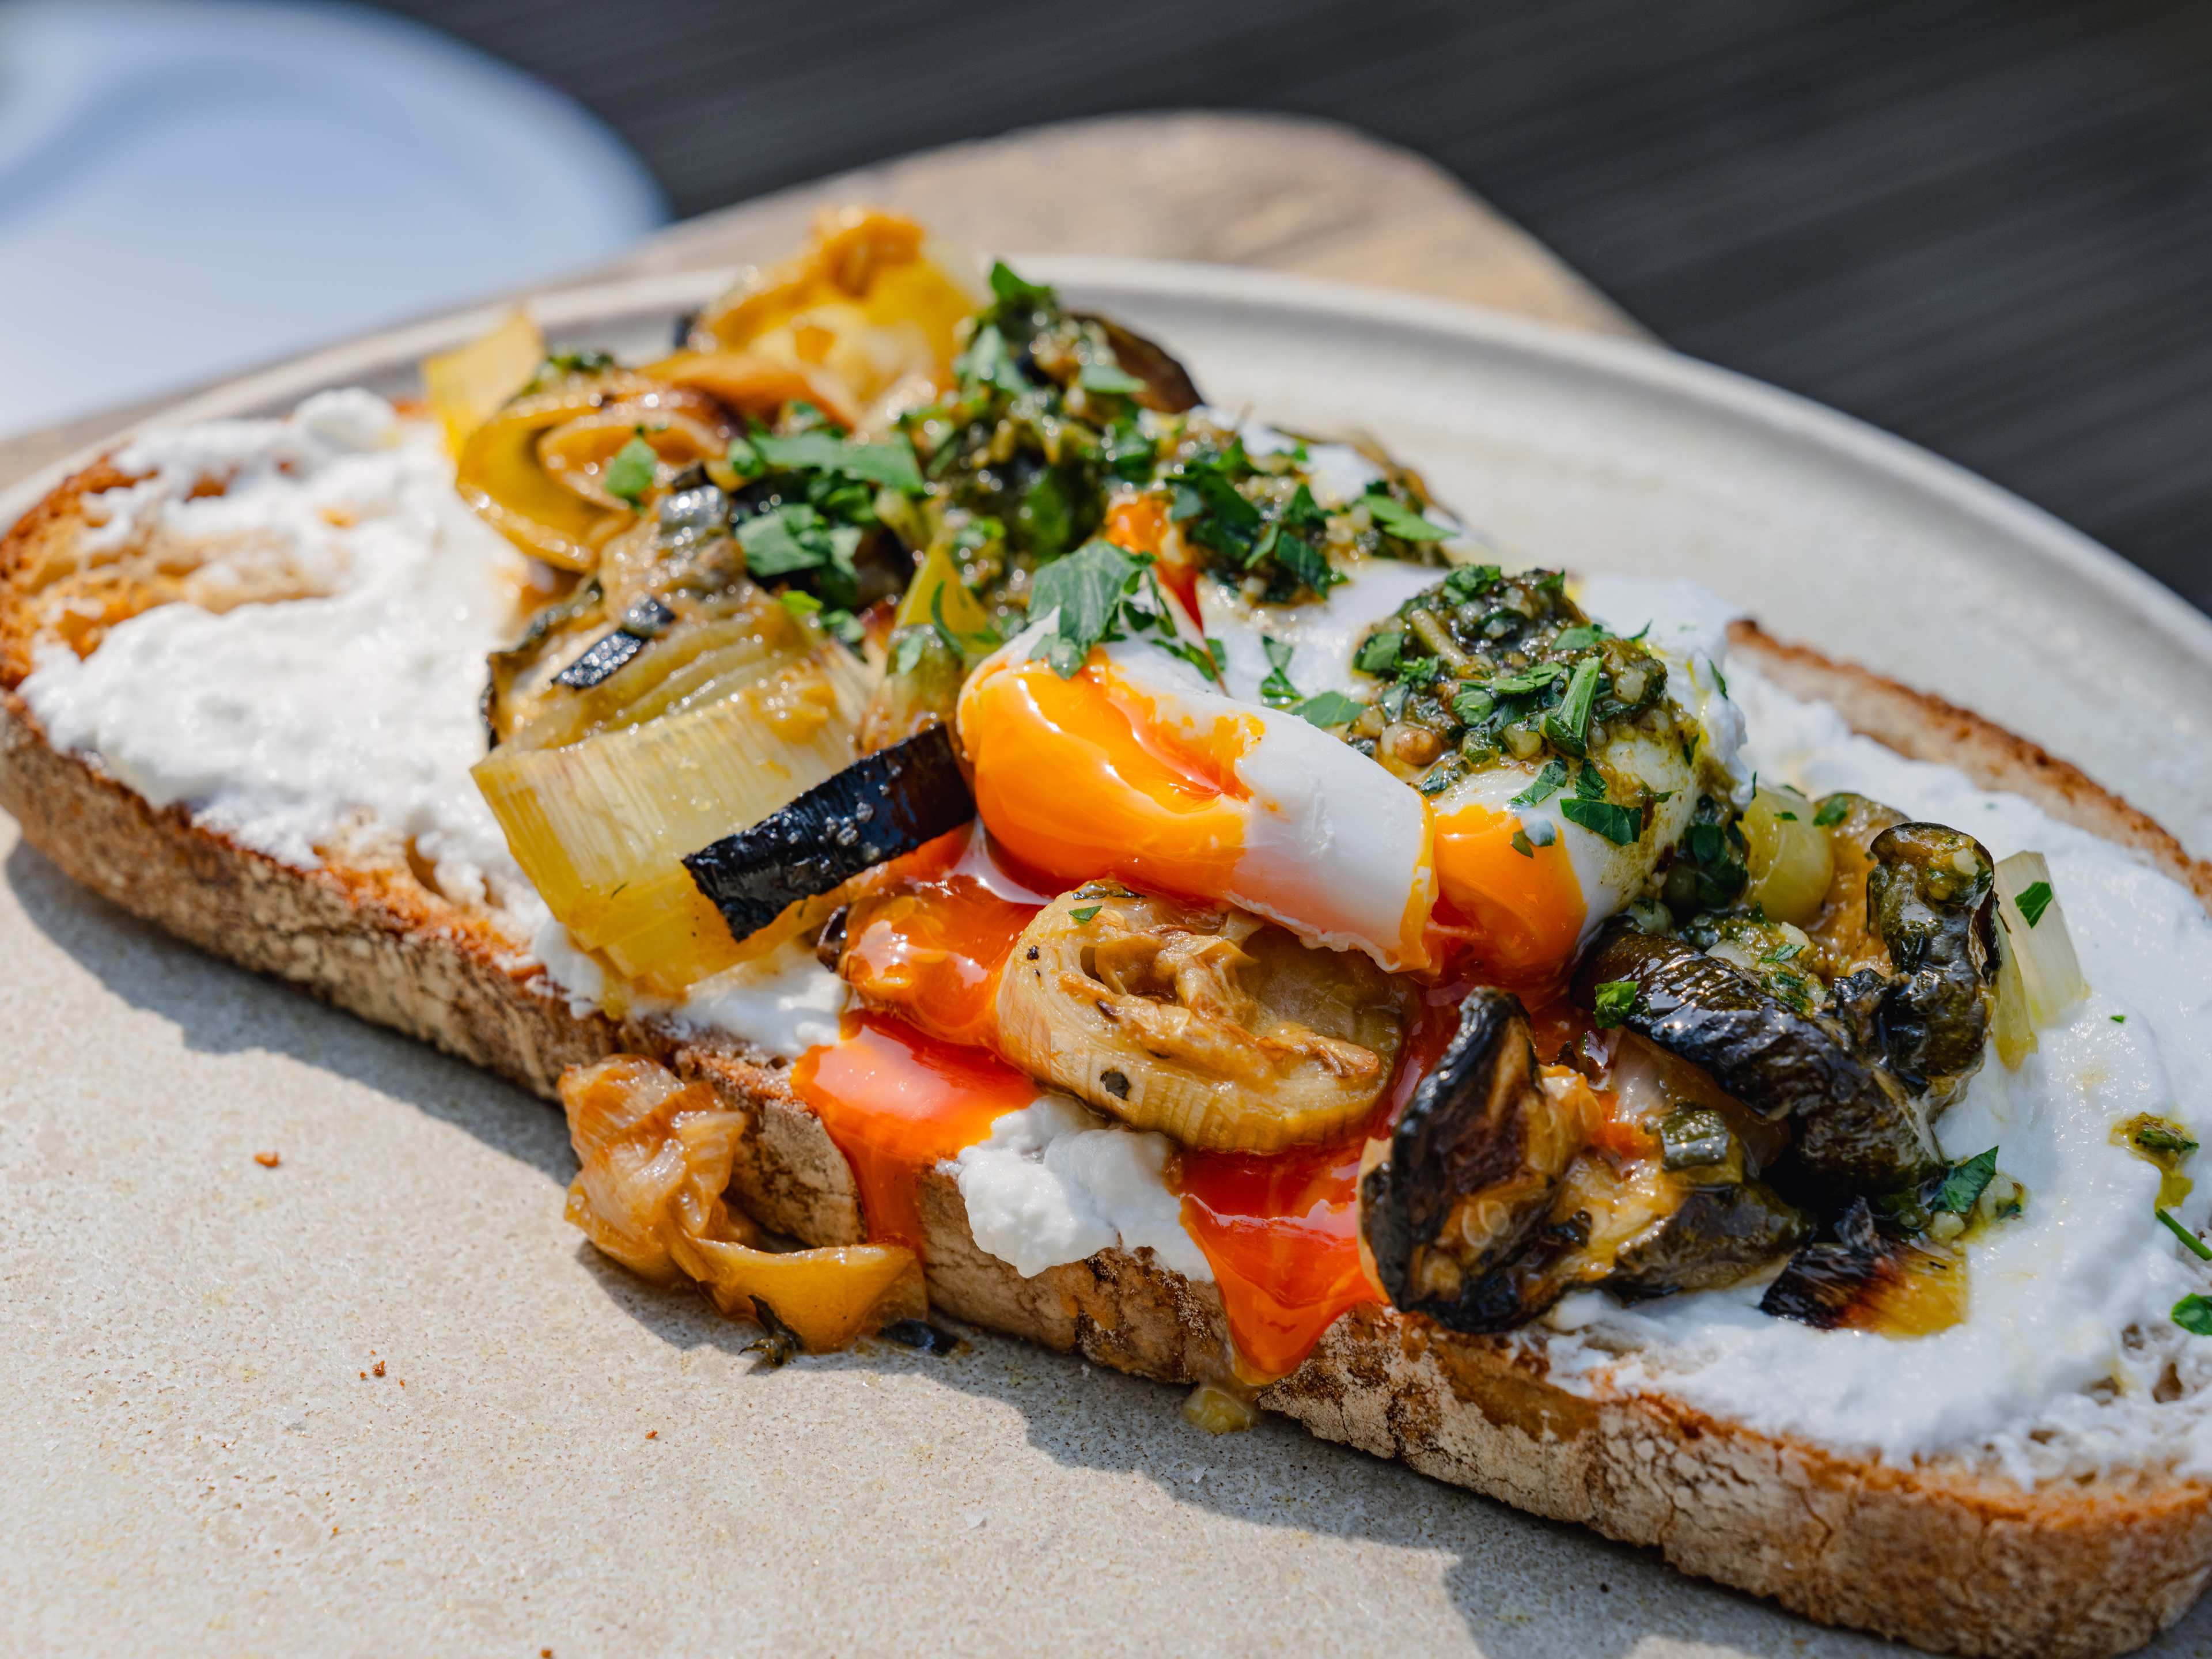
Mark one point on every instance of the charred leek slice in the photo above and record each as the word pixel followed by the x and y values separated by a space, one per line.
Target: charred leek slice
pixel 600 827
pixel 2039 977
pixel 1219 1029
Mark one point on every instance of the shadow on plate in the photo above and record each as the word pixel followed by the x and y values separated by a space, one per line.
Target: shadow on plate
pixel 167 978
pixel 1524 1588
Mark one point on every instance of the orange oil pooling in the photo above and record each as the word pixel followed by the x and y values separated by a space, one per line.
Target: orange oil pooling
pixel 930 945
pixel 1088 777
pixel 1281 1232
pixel 1511 918
pixel 897 1102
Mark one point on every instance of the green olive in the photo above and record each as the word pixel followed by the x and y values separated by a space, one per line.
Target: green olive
pixel 1791 863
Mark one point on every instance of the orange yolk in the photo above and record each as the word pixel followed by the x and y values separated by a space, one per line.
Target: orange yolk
pixel 1079 780
pixel 1504 917
pixel 1281 1232
pixel 932 946
pixel 898 1102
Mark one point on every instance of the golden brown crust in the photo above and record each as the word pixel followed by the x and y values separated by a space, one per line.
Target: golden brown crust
pixel 1950 1557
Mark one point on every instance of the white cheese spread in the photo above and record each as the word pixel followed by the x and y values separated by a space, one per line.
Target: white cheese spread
pixel 1055 1183
pixel 290 725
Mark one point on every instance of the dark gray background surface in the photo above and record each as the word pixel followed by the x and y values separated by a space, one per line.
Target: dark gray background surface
pixel 1987 226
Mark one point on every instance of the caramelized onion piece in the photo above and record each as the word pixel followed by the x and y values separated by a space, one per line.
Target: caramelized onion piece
pixel 656 1156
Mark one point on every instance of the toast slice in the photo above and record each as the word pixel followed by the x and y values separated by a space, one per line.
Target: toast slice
pixel 1950 1555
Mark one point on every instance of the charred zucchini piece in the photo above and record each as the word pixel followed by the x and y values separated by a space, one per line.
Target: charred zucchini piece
pixel 1931 897
pixel 1168 387
pixel 1473 1163
pixel 1866 1279
pixel 1855 1123
pixel 1721 1232
pixel 882 805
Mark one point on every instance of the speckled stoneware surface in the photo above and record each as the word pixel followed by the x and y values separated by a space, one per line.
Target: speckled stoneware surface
pixel 199 1455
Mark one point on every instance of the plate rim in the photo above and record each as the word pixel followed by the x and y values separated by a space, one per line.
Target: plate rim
pixel 1652 368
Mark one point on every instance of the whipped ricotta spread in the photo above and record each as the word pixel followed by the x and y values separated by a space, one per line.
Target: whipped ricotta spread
pixel 292 725
pixel 1055 1182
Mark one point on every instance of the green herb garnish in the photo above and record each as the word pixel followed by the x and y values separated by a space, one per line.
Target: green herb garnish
pixel 1083 913
pixel 1395 517
pixel 1568 725
pixel 1545 784
pixel 795 537
pixel 890 463
pixel 1963 1186
pixel 631 473
pixel 1276 691
pixel 2194 1314
pixel 2198 1247
pixel 1833 812
pixel 1618 824
pixel 2034 899
pixel 1615 1002
pixel 1330 708
pixel 1086 587
pixel 1378 652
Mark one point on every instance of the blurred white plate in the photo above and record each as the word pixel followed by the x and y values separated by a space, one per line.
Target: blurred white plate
pixel 189 186
pixel 1600 453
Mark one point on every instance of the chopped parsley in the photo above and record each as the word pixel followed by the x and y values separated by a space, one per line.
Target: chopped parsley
pixel 2034 899
pixel 1378 652
pixel 1276 691
pixel 632 470
pixel 1399 519
pixel 1568 725
pixel 1087 589
pixel 1545 784
pixel 1962 1188
pixel 1330 708
pixel 1833 812
pixel 2194 1314
pixel 1081 915
pixel 795 537
pixel 890 463
pixel 1618 824
pixel 1615 1002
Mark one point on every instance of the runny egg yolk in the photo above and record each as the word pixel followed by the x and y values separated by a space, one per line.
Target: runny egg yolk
pixel 1081 778
pixel 1190 793
pixel 1516 913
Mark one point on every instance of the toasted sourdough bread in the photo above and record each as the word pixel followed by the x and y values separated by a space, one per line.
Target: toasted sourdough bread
pixel 1951 1555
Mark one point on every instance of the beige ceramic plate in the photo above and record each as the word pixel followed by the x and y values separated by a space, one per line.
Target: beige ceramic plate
pixel 194 1459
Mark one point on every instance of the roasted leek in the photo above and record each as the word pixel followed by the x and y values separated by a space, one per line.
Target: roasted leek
pixel 1220 1030
pixel 536 471
pixel 600 826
